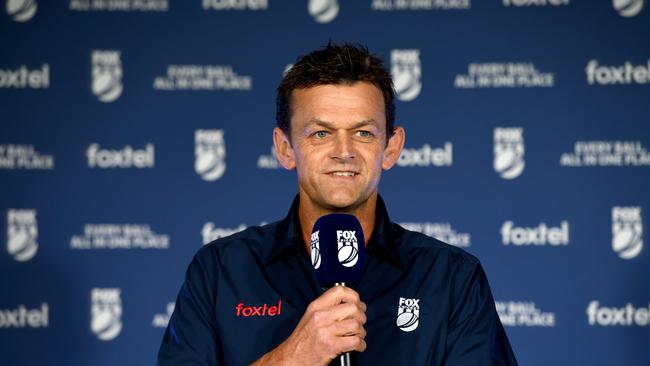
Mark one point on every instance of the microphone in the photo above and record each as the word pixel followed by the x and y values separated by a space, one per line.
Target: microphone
pixel 338 251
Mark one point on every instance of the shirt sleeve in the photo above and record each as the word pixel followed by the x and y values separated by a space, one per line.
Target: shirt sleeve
pixel 191 338
pixel 476 336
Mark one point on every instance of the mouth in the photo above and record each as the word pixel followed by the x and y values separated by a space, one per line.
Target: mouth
pixel 342 173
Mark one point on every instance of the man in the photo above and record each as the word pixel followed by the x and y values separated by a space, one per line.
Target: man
pixel 253 297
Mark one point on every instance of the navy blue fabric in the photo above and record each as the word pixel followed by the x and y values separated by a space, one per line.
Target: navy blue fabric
pixel 264 267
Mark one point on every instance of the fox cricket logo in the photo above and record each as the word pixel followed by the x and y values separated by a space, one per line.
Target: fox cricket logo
pixel 22 232
pixel 408 314
pixel 324 11
pixel 315 250
pixel 106 311
pixel 107 75
pixel 628 8
pixel 21 10
pixel 210 154
pixel 406 70
pixel 627 231
pixel 509 152
pixel 348 247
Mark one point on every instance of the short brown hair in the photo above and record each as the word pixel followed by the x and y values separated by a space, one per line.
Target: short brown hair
pixel 334 65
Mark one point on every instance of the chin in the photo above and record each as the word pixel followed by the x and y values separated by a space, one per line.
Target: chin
pixel 335 202
pixel 342 202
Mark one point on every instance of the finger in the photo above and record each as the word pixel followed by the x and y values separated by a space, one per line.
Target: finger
pixel 352 343
pixel 361 346
pixel 348 311
pixel 337 295
pixel 327 317
pixel 347 328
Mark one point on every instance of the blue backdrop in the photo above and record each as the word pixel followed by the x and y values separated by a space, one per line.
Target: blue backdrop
pixel 134 131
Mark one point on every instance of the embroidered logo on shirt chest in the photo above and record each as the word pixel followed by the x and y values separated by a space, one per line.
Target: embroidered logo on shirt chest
pixel 408 314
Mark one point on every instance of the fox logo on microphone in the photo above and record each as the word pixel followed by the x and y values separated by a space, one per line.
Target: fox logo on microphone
pixel 323 11
pixel 22 233
pixel 106 311
pixel 348 247
pixel 509 152
pixel 210 154
pixel 627 231
pixel 406 71
pixel 408 314
pixel 107 75
pixel 315 250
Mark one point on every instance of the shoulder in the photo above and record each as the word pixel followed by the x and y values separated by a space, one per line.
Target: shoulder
pixel 252 240
pixel 443 264
pixel 413 245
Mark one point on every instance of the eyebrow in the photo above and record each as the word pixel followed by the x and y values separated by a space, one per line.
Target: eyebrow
pixel 329 125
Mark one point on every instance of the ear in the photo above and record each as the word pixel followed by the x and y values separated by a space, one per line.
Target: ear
pixel 283 149
pixel 394 148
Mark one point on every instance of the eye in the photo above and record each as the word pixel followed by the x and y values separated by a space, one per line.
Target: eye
pixel 320 134
pixel 363 133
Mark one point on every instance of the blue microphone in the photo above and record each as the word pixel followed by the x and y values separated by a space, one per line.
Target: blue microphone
pixel 338 250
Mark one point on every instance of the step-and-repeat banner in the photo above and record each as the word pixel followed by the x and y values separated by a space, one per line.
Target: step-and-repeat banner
pixel 134 131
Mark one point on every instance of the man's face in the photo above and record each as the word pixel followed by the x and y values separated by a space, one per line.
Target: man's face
pixel 338 144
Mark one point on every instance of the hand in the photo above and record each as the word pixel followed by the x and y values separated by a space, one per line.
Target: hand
pixel 331 325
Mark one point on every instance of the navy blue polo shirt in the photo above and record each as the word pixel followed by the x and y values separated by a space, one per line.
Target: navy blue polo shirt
pixel 428 303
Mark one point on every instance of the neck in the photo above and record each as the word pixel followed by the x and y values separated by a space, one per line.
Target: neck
pixel 308 213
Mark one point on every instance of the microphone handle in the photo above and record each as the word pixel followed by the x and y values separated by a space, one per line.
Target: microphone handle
pixel 344 359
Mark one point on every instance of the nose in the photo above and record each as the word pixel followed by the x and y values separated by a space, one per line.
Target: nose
pixel 343 147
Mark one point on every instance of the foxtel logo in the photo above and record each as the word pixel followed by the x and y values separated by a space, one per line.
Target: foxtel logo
pixel 540 235
pixel 23 77
pixel 612 316
pixel 25 318
pixel 262 310
pixel 620 74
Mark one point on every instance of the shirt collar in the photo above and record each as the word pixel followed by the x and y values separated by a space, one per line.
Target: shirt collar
pixel 384 241
pixel 288 237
